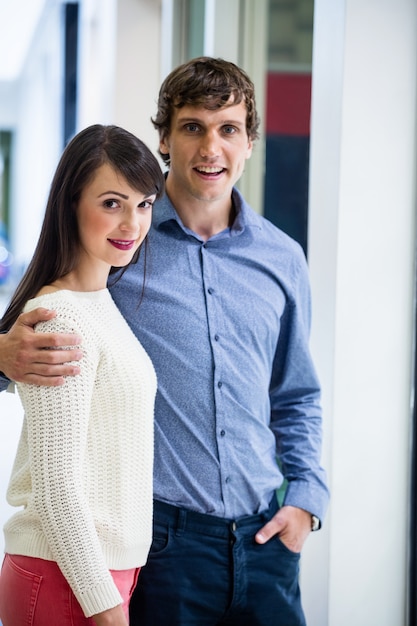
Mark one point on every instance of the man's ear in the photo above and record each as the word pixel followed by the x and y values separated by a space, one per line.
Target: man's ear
pixel 249 149
pixel 164 145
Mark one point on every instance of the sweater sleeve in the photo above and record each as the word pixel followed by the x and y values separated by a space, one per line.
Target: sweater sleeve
pixel 57 425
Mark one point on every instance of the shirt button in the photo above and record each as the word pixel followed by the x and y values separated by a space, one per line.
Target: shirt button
pixel 228 479
pixel 222 433
pixel 210 290
pixel 220 384
pixel 216 337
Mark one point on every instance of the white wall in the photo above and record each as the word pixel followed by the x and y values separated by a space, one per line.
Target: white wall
pixel 138 67
pixel 96 63
pixel 361 253
pixel 38 131
pixel 8 104
pixel 120 67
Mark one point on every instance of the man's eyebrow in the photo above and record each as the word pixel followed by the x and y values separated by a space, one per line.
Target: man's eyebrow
pixel 115 193
pixel 188 119
pixel 197 120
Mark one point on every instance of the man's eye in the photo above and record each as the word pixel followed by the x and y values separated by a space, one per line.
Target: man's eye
pixel 229 130
pixel 192 128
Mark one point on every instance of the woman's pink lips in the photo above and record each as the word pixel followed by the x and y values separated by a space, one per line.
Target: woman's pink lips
pixel 122 245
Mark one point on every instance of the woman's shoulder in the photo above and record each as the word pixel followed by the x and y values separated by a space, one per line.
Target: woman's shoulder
pixel 50 297
pixel 74 311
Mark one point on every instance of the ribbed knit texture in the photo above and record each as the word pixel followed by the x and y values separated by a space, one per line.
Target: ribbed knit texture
pixel 83 469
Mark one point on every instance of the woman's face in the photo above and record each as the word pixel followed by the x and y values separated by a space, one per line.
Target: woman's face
pixel 113 220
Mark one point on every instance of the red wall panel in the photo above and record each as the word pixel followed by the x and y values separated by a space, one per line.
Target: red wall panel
pixel 288 104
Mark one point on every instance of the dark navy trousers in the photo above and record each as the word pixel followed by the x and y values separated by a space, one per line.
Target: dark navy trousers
pixel 208 571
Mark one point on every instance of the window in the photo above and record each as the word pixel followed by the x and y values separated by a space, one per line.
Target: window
pixel 288 97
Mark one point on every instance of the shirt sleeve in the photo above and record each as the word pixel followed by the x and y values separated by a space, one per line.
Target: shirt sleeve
pixel 4 381
pixel 57 424
pixel 296 415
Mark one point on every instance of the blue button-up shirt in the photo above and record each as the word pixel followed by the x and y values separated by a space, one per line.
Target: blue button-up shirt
pixel 226 323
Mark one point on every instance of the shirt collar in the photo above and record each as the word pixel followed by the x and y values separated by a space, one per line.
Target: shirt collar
pixel 245 216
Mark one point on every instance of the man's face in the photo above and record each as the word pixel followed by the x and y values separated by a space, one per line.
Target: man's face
pixel 208 150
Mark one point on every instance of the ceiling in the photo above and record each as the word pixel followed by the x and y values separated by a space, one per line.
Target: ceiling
pixel 18 22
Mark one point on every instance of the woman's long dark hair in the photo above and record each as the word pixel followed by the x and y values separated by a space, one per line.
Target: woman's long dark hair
pixel 57 250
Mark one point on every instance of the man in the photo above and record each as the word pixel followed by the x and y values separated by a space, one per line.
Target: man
pixel 225 318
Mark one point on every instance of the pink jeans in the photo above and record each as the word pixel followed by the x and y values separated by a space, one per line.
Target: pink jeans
pixel 33 592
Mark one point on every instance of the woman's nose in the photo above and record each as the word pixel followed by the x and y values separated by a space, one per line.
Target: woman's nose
pixel 130 222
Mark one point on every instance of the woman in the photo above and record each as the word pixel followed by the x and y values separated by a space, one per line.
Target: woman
pixel 83 469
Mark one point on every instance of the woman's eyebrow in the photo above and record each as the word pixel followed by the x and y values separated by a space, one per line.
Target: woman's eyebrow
pixel 115 193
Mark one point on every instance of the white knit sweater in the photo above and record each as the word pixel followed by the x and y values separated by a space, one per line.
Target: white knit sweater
pixel 83 469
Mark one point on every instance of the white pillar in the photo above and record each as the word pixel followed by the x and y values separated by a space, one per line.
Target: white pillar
pixel 361 256
pixel 138 67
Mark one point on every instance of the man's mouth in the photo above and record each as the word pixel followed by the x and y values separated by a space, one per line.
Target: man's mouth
pixel 210 170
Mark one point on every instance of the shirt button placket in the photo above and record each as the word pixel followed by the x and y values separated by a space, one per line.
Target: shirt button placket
pixel 213 321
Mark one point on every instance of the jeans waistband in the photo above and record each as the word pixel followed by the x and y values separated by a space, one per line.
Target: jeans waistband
pixel 185 519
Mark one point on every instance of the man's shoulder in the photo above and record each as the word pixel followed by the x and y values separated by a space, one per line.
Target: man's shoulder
pixel 266 231
pixel 268 234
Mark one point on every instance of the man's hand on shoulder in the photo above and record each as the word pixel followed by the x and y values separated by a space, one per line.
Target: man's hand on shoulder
pixel 291 524
pixel 36 358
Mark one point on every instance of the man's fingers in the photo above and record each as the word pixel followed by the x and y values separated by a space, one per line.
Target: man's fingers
pixel 44 381
pixel 266 533
pixel 47 375
pixel 53 347
pixel 51 376
pixel 54 370
pixel 292 524
pixel 47 340
pixel 37 315
pixel 28 356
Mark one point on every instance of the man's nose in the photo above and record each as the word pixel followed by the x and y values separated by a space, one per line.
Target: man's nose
pixel 210 145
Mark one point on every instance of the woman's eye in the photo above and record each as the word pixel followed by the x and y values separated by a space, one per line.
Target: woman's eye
pixel 110 204
pixel 146 204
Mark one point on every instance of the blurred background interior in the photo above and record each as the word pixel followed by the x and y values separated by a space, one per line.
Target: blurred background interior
pixel 335 168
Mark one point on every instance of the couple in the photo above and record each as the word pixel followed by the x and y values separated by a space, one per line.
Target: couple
pixel 219 300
